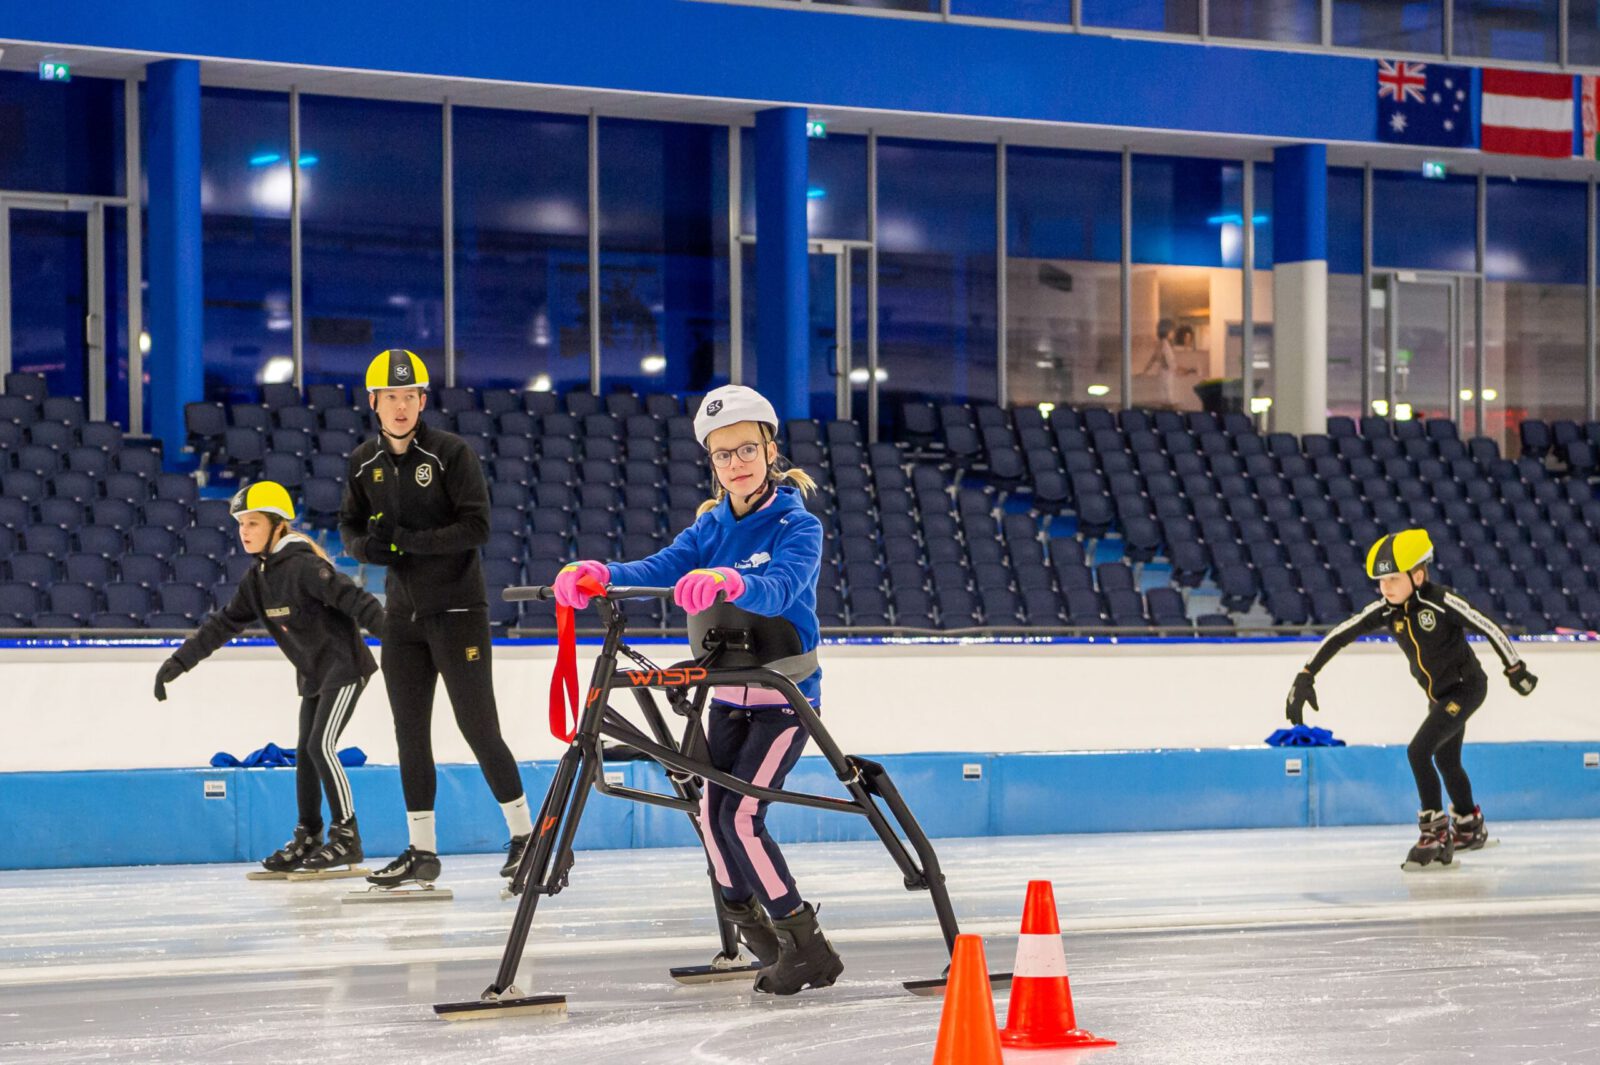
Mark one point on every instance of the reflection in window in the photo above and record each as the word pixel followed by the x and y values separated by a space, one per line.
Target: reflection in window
pixel 1384 25
pixel 1508 29
pixel 1024 10
pixel 1583 32
pixel 1168 16
pixel 244 197
pixel 372 234
pixel 1267 20
pixel 1063 277
pixel 936 272
pixel 521 249
pixel 663 255
pixel 836 186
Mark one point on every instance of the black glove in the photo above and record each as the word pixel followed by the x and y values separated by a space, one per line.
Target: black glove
pixel 1521 680
pixel 1302 692
pixel 170 671
pixel 382 528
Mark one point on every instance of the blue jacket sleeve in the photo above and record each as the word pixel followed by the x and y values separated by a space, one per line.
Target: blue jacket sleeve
pixel 796 560
pixel 662 569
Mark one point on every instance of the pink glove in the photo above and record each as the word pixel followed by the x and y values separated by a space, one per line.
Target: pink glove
pixel 566 584
pixel 698 589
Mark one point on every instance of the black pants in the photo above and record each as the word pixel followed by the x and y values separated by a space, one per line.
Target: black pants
pixel 416 654
pixel 1438 743
pixel 317 771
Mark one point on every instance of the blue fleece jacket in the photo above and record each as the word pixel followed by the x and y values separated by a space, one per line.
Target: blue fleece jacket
pixel 777 550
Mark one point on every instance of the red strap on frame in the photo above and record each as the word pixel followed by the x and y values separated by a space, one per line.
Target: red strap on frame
pixel 564 681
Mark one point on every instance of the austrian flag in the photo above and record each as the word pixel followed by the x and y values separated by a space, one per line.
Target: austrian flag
pixel 1527 114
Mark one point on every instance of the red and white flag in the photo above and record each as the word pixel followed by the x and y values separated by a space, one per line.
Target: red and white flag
pixel 1527 114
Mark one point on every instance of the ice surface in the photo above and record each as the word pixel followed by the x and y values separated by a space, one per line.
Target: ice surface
pixel 1295 946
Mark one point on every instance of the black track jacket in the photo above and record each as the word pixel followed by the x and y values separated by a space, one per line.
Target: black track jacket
pixel 308 607
pixel 1429 627
pixel 440 502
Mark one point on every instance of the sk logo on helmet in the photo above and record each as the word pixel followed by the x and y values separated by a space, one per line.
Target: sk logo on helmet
pixel 714 407
pixel 1427 619
pixel 425 475
pixel 402 371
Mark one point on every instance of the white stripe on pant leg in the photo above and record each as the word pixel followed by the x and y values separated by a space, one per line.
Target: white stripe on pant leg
pixel 1040 955
pixel 344 702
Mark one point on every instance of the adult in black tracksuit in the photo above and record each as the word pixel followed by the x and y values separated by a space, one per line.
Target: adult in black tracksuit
pixel 1429 622
pixel 416 502
pixel 312 611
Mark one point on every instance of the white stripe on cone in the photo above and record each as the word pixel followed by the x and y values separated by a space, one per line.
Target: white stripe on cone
pixel 1041 956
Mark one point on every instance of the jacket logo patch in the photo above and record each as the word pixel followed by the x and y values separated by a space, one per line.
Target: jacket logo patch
pixel 760 558
pixel 1452 708
pixel 377 475
pixel 425 475
pixel 278 612
pixel 473 654
pixel 1399 626
pixel 1428 620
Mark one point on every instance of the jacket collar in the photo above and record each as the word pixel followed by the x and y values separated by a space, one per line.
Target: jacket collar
pixel 785 500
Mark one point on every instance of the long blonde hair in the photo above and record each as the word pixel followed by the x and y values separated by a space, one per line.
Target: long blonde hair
pixel 778 470
pixel 291 529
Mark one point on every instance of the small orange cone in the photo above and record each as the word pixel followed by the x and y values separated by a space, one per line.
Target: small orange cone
pixel 967 1031
pixel 1040 1014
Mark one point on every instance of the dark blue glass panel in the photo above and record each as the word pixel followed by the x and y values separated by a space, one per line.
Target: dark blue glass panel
pixel 1583 32
pixel 1535 232
pixel 372 232
pixel 1187 212
pixel 1422 224
pixel 521 249
pixel 1263 216
pixel 1344 220
pixel 1064 205
pixel 836 186
pixel 1170 16
pixel 1267 20
pixel 1026 10
pixel 244 183
pixel 1384 25
pixel 61 136
pixel 49 297
pixel 1524 30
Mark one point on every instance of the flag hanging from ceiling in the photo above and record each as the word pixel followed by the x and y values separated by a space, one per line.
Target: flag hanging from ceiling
pixel 1590 122
pixel 1424 103
pixel 1525 113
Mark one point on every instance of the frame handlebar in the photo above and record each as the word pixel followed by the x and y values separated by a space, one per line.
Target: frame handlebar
pixel 615 591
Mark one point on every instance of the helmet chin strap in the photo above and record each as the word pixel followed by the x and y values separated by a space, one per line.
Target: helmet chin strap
pixel 398 437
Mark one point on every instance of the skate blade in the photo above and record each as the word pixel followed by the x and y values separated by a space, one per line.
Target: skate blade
pixel 266 874
pixel 719 971
pixel 1430 867
pixel 496 1008
pixel 300 876
pixel 408 893
pixel 935 988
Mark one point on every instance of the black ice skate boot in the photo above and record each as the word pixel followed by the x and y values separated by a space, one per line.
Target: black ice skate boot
pixel 754 928
pixel 342 849
pixel 805 958
pixel 514 851
pixel 1436 848
pixel 1467 831
pixel 290 856
pixel 412 866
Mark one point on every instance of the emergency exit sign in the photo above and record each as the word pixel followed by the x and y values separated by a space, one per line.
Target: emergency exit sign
pixel 1435 170
pixel 53 71
pixel 816 129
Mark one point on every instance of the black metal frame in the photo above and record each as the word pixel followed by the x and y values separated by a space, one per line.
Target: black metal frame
pixel 546 863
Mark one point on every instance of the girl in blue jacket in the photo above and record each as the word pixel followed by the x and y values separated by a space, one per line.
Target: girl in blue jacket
pixel 755 545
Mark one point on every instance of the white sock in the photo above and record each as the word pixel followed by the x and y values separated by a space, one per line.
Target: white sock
pixel 517 819
pixel 419 823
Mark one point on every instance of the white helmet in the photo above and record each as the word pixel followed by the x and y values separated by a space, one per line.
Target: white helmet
pixel 730 405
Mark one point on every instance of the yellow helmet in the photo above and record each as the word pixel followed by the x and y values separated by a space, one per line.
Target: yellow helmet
pixel 1399 552
pixel 396 368
pixel 264 497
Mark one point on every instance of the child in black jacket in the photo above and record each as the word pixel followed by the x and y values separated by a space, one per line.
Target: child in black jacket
pixel 312 611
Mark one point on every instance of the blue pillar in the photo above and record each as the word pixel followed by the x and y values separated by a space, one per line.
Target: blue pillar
pixel 1300 287
pixel 782 296
pixel 172 168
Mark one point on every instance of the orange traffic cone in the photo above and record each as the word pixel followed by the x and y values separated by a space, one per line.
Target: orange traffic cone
pixel 1040 1014
pixel 967 1030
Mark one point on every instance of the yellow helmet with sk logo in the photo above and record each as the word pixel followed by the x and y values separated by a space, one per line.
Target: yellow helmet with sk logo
pixel 1399 552
pixel 396 368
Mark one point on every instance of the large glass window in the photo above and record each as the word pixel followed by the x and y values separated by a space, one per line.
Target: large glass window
pixel 1188 244
pixel 1063 277
pixel 663 255
pixel 1583 32
pixel 521 249
pixel 1267 20
pixel 372 233
pixel 244 197
pixel 1422 224
pixel 1534 363
pixel 61 137
pixel 1346 301
pixel 1026 10
pixel 1508 29
pixel 1389 26
pixel 1169 16
pixel 836 186
pixel 936 272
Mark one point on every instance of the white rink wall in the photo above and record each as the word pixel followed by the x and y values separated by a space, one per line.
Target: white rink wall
pixel 92 707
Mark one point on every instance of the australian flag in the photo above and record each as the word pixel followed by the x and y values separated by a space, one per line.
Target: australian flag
pixel 1425 104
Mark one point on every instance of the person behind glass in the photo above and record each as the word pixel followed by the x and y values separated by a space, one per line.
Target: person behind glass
pixel 312 612
pixel 416 501
pixel 755 545
pixel 1429 622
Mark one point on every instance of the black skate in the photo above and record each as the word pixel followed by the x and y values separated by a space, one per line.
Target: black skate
pixel 336 858
pixel 289 857
pixel 805 958
pixel 751 927
pixel 514 851
pixel 410 876
pixel 1436 848
pixel 1467 831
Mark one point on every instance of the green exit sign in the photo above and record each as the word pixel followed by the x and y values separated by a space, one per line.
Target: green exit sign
pixel 816 129
pixel 1435 170
pixel 53 71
